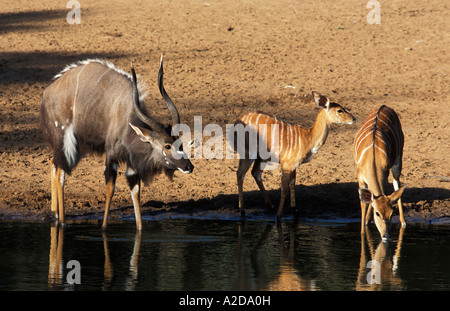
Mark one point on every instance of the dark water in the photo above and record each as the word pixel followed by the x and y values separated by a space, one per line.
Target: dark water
pixel 221 255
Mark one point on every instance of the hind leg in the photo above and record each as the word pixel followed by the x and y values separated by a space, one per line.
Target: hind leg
pixel 244 165
pixel 257 173
pixel 57 182
pixel 54 204
pixel 396 171
pixel 285 180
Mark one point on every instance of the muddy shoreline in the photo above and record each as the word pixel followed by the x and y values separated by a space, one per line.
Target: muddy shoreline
pixel 223 58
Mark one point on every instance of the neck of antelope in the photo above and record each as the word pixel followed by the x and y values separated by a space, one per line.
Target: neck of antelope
pixel 318 133
pixel 375 178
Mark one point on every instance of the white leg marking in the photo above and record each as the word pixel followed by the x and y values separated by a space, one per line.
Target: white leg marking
pixel 134 193
pixel 184 172
pixel 54 170
pixel 63 177
pixel 396 185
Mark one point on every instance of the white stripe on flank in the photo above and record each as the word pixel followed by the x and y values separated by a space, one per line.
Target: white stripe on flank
pixel 76 91
pixel 384 139
pixel 70 145
pixel 262 131
pixel 288 135
pixel 289 139
pixel 275 145
pixel 294 138
pixel 298 145
pixel 101 77
pixel 281 137
pixel 360 140
pixel 368 123
pixel 251 118
pixel 382 151
pixel 245 118
pixel 362 153
pixel 141 86
pixel 257 119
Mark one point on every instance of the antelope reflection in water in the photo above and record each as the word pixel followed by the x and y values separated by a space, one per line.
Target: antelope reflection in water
pixel 379 269
pixel 288 278
pixel 256 277
pixel 55 269
pixel 56 276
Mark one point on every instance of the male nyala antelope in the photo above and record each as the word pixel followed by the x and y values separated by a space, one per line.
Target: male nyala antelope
pixel 290 145
pixel 92 106
pixel 378 148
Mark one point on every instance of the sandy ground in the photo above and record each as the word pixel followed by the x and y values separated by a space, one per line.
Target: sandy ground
pixel 222 58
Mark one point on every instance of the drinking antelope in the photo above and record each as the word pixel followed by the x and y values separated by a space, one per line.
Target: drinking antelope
pixel 92 106
pixel 378 148
pixel 290 145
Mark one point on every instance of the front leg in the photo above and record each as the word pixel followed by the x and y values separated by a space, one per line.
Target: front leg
pixel 363 216
pixel 110 179
pixel 134 182
pixel 292 188
pixel 285 179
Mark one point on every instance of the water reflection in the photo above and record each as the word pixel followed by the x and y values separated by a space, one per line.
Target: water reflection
pixel 223 255
pixel 55 269
pixel 255 274
pixel 258 275
pixel 378 270
pixel 56 265
pixel 289 278
pixel 131 281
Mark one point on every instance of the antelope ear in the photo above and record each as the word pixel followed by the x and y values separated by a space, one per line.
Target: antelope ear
pixel 397 195
pixel 321 100
pixel 143 133
pixel 365 195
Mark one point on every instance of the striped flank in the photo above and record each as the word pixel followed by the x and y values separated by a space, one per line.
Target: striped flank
pixel 289 138
pixel 381 133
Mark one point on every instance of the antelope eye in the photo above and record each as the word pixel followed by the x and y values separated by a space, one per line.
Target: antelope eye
pixel 340 111
pixel 378 214
pixel 168 146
